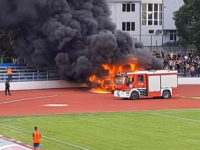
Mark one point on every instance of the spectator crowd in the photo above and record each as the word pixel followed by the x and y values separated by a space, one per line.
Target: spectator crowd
pixel 185 62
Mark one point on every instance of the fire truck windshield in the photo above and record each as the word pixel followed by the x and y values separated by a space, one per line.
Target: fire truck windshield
pixel 119 79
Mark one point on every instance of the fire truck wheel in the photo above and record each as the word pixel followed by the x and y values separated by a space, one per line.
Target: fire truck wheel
pixel 134 95
pixel 166 94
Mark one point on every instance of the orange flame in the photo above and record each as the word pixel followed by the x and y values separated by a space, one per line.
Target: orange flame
pixel 106 84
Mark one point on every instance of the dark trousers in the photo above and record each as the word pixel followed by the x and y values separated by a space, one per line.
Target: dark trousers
pixel 10 77
pixel 7 90
pixel 192 73
pixel 198 74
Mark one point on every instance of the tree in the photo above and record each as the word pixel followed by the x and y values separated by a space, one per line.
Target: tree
pixel 187 21
pixel 7 42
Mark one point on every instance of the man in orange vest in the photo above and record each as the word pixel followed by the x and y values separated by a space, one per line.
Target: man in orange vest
pixel 36 139
pixel 9 72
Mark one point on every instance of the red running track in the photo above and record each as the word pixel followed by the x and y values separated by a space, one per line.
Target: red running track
pixel 83 101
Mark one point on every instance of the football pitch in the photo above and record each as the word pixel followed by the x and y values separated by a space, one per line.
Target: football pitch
pixel 139 130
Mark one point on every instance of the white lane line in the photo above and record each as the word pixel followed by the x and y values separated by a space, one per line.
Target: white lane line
pixel 26 99
pixel 66 143
pixel 180 118
pixel 97 114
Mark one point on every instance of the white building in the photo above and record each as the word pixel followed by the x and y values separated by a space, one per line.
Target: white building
pixel 169 27
pixel 149 21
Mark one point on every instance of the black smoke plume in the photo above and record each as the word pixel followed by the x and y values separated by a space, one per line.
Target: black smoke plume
pixel 72 36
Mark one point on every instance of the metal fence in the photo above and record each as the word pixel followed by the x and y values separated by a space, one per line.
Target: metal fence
pixel 157 40
pixel 188 73
pixel 163 42
pixel 30 76
pixel 20 76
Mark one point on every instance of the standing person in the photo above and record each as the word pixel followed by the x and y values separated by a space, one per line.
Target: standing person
pixel 9 72
pixel 36 138
pixel 7 87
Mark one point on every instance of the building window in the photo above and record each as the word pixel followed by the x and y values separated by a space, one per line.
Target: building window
pixel 151 31
pixel 172 35
pixel 155 22
pixel 128 7
pixel 151 14
pixel 123 7
pixel 123 26
pixel 133 7
pixel 128 26
pixel 155 7
pixel 150 7
pixel 150 22
pixel 132 26
pixel 144 7
pixel 140 79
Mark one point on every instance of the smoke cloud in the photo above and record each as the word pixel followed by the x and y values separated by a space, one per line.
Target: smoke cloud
pixel 72 36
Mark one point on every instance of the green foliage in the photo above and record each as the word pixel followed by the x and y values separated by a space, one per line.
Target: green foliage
pixel 187 21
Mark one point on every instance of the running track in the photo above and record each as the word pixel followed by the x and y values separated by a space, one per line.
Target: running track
pixel 83 101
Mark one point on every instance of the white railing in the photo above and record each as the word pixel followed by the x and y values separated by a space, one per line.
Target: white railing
pixel 30 76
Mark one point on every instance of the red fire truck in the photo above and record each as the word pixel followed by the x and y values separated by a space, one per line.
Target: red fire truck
pixel 159 83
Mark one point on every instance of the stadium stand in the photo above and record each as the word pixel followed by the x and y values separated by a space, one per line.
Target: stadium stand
pixel 186 63
pixel 24 73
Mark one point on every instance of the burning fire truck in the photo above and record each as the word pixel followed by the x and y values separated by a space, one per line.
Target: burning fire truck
pixel 159 83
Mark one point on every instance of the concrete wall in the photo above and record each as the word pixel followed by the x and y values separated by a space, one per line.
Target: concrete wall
pixel 40 85
pixel 188 81
pixel 170 6
pixel 118 16
pixel 141 32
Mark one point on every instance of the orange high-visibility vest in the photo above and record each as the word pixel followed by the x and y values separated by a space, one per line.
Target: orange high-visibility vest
pixel 36 137
pixel 9 71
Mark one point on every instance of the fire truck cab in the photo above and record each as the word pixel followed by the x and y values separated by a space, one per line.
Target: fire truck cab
pixel 155 83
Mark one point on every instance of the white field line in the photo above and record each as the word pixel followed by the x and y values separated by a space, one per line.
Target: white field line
pixel 26 99
pixel 162 115
pixel 180 118
pixel 66 143
pixel 48 116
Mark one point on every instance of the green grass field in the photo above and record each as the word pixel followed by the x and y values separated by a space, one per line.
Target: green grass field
pixel 143 130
